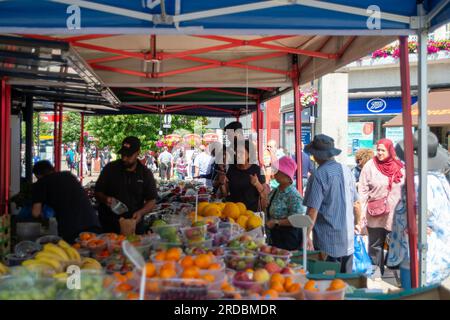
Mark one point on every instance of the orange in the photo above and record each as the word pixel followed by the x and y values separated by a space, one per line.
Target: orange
pixel 337 284
pixel 191 273
pixel 203 261
pixel 277 277
pixel 311 286
pixel 167 273
pixel 124 287
pixel 215 266
pixel 271 293
pixel 209 277
pixel 132 296
pixel 295 287
pixel 173 254
pixel 152 286
pixel 277 286
pixel 160 256
pixel 242 207
pixel 129 275
pixel 249 270
pixel 231 210
pixel 76 246
pixel 119 277
pixel 150 270
pixel 228 288
pixel 168 266
pixel 187 262
pixel 288 282
pixel 237 296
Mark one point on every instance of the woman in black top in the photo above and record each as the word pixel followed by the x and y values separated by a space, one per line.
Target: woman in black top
pixel 243 181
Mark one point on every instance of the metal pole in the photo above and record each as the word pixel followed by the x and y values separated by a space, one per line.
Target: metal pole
pixel 81 147
pixel 408 141
pixel 29 138
pixel 60 132
pixel 259 131
pixel 5 145
pixel 38 135
pixel 55 135
pixel 423 150
pixel 298 124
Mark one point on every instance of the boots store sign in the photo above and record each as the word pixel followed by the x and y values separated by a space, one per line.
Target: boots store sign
pixel 376 105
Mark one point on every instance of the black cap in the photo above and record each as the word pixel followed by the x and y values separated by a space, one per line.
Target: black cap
pixel 130 145
pixel 235 125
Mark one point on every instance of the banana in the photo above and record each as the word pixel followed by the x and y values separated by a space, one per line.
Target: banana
pixel 55 264
pixel 63 244
pixel 32 264
pixel 89 260
pixel 73 254
pixel 50 247
pixel 91 266
pixel 48 255
pixel 3 269
pixel 60 276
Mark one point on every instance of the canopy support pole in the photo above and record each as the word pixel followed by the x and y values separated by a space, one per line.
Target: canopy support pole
pixel 423 149
pixel 29 138
pixel 259 130
pixel 81 147
pixel 298 123
pixel 408 141
pixel 55 135
pixel 5 145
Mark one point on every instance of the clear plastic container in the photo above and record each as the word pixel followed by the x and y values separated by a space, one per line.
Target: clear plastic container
pixel 164 245
pixel 204 197
pixel 167 232
pixel 323 294
pixel 212 224
pixel 26 249
pixel 48 239
pixel 240 260
pixel 96 245
pixel 206 244
pixel 27 288
pixel 93 286
pixel 184 289
pixel 194 234
pixel 281 260
pixel 249 286
pixel 144 247
pixel 118 207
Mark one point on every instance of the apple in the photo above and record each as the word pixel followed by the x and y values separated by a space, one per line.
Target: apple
pixel 287 270
pixel 245 238
pixel 280 262
pixel 242 276
pixel 265 249
pixel 261 276
pixel 272 267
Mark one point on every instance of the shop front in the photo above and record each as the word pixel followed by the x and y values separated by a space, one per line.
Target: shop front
pixel 366 119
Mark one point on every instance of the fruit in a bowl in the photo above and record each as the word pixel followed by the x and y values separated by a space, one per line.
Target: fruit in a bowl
pixel 235 244
pixel 261 275
pixel 287 270
pixel 240 260
pixel 272 267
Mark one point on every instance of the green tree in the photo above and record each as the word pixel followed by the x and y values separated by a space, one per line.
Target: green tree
pixel 111 130
pixel 71 127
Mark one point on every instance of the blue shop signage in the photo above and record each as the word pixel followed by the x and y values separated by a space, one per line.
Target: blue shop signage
pixel 375 106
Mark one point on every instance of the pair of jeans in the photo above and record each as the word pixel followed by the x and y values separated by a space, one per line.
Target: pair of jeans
pixel 164 171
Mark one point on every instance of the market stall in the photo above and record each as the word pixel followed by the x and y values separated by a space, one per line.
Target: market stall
pixel 146 62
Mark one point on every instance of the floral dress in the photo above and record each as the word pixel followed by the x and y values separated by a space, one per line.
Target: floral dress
pixel 438 222
pixel 283 204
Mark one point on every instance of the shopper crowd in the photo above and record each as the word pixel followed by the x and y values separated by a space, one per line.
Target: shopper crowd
pixel 341 202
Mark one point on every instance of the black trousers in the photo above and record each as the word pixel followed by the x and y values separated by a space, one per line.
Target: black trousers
pixel 377 238
pixel 288 238
pixel 346 263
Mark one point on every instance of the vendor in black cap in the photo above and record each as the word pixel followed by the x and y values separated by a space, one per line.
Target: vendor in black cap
pixel 128 181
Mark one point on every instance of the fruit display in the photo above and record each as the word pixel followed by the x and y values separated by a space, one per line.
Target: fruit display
pixel 325 289
pixel 232 212
pixel 27 288
pixel 54 259
pixel 93 286
pixel 240 259
pixel 285 286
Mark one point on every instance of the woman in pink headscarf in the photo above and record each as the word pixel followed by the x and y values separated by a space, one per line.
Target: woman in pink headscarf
pixel 380 187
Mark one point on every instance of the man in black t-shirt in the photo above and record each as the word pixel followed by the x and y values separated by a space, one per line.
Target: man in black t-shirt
pixel 128 181
pixel 64 194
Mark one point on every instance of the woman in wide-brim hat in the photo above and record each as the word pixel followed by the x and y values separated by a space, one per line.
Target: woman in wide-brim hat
pixel 438 215
pixel 284 201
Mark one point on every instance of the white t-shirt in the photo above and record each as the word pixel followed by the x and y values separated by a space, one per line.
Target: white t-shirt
pixel 204 162
pixel 165 157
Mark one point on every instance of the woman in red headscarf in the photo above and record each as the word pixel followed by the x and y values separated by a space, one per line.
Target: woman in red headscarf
pixel 380 187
